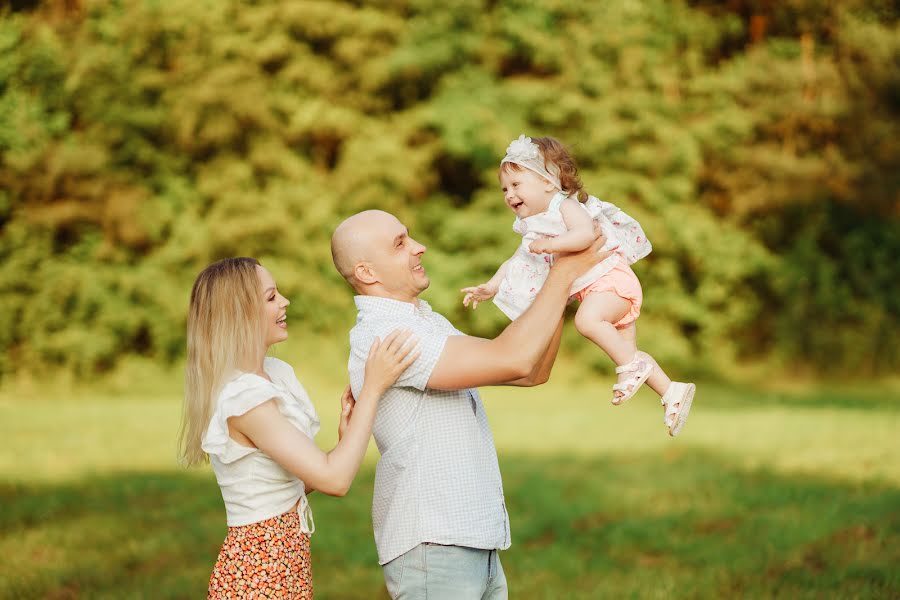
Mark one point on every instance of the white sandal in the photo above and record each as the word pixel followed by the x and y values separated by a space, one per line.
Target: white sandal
pixel 640 368
pixel 677 402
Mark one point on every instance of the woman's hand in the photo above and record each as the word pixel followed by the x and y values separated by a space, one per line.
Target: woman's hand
pixel 347 404
pixel 388 359
pixel 479 293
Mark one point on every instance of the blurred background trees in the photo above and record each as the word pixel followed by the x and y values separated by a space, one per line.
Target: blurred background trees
pixel 756 141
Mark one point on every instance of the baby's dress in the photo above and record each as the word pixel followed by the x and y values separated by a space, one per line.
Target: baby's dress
pixel 526 271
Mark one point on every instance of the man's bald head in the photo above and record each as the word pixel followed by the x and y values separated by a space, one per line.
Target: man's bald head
pixel 355 239
pixel 377 257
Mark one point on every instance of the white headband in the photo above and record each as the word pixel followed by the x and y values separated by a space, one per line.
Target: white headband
pixel 525 153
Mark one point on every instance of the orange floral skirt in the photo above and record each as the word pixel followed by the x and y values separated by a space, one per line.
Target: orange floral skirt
pixel 269 559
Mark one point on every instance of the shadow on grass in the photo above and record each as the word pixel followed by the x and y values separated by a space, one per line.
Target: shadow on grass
pixel 682 526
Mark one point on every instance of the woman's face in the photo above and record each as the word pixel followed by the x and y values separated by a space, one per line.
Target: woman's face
pixel 274 305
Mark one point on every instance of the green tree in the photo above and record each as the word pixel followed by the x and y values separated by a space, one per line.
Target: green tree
pixel 756 143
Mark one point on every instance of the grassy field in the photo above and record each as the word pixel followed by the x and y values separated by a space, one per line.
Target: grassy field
pixel 767 494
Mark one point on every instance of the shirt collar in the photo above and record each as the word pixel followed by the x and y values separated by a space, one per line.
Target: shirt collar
pixel 385 306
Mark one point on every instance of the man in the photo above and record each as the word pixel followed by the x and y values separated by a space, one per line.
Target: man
pixel 438 509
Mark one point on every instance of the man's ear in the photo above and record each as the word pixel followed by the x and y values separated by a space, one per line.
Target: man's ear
pixel 365 273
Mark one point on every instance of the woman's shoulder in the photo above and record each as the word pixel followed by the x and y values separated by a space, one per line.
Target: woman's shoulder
pixel 244 386
pixel 292 400
pixel 283 375
pixel 276 366
pixel 247 390
pixel 243 380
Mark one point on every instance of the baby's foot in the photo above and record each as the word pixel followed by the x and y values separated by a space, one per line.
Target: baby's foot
pixel 631 376
pixel 676 405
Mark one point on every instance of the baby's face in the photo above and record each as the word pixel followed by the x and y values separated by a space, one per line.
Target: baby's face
pixel 526 193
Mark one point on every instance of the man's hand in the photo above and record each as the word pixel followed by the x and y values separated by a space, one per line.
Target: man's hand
pixel 582 261
pixel 479 293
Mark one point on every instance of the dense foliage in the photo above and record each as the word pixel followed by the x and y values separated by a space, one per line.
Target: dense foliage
pixel 756 142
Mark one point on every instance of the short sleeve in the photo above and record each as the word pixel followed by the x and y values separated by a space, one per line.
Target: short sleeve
pixel 239 396
pixel 519 226
pixel 431 346
pixel 301 412
pixel 620 229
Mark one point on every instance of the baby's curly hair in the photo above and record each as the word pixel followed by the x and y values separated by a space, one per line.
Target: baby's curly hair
pixel 556 152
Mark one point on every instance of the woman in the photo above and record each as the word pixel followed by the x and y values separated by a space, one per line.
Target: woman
pixel 252 418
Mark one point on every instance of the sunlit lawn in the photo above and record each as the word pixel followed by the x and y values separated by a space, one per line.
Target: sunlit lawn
pixel 765 495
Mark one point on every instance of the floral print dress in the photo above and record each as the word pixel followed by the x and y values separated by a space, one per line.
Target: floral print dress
pixel 526 271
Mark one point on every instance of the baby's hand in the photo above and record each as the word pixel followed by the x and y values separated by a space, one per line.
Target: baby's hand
pixel 542 246
pixel 478 293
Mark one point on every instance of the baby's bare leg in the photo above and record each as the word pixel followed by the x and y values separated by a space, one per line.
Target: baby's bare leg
pixel 594 320
pixel 658 380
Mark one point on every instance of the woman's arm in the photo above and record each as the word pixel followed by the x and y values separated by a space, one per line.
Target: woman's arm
pixel 332 472
pixel 347 404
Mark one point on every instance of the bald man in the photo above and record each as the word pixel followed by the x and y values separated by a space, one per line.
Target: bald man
pixel 438 509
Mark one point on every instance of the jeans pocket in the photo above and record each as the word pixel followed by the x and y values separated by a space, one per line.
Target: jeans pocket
pixel 393 574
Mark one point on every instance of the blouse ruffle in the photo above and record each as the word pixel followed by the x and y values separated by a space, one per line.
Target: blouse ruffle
pixel 246 392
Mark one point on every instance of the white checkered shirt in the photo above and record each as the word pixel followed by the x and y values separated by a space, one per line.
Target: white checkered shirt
pixel 438 479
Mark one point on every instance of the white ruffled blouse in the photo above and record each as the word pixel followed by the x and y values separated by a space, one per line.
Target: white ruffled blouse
pixel 255 487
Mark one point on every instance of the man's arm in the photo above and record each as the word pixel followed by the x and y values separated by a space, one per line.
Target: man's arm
pixel 541 373
pixel 514 354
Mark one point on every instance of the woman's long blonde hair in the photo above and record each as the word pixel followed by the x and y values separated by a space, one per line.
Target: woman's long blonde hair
pixel 224 335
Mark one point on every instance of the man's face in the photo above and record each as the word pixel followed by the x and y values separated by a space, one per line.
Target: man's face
pixel 397 260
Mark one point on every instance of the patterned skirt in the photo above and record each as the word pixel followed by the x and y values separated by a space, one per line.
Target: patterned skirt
pixel 269 559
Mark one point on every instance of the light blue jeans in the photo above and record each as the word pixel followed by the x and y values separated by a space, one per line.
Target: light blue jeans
pixel 446 573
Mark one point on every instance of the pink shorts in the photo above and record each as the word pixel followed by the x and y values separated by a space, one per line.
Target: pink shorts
pixel 622 282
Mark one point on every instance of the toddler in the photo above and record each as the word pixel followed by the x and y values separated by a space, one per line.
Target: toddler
pixel 541 186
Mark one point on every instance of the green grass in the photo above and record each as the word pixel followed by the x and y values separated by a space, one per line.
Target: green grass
pixel 767 494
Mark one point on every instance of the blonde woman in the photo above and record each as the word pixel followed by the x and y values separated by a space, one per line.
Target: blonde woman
pixel 251 417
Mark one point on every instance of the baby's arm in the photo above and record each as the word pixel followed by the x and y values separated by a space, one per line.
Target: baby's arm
pixel 485 291
pixel 579 235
